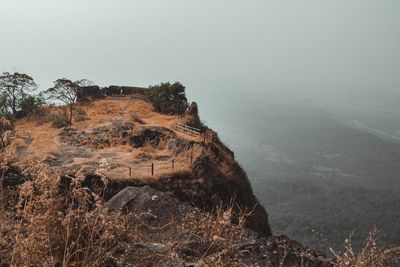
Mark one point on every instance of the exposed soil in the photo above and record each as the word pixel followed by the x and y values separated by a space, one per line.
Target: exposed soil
pixel 124 139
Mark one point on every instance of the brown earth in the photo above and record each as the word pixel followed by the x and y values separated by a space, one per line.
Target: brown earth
pixel 123 137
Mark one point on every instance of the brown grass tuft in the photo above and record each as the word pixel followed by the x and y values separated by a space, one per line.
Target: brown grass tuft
pixel 58 223
pixel 370 255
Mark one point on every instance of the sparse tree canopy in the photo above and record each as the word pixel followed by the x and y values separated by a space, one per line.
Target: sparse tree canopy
pixel 84 82
pixel 14 87
pixel 65 91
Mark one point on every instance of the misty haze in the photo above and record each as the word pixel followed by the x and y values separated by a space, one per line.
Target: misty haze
pixel 303 95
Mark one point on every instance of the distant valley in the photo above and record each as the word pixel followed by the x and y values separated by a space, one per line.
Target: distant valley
pixel 318 175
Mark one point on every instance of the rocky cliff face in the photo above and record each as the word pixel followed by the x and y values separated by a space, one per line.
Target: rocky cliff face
pixel 215 179
pixel 138 161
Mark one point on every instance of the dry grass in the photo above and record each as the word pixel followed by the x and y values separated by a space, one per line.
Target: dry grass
pixel 55 225
pixel 44 140
pixel 370 255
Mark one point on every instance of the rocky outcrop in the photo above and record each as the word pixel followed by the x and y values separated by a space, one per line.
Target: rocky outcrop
pixel 151 135
pixel 12 176
pixel 140 199
pixel 93 92
pixel 89 93
pixel 122 90
pixel 191 117
pixel 215 179
pixel 254 251
pixel 210 185
pixel 117 134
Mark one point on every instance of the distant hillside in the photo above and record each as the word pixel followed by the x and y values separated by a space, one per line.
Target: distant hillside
pixel 318 178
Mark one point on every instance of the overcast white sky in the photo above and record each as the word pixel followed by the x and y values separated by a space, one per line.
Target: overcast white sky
pixel 334 47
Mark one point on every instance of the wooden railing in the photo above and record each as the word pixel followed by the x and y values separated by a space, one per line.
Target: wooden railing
pixel 188 129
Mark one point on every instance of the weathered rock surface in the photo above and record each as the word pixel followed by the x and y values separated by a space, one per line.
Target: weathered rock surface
pixel 146 199
pixel 151 135
pixel 89 93
pixel 191 116
pixel 122 90
pixel 256 251
pixel 117 134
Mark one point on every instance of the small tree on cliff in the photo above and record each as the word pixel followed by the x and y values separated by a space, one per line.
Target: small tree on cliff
pixel 65 91
pixel 168 98
pixel 14 87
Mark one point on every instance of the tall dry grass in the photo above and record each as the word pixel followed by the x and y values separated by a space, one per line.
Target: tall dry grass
pixel 370 256
pixel 56 222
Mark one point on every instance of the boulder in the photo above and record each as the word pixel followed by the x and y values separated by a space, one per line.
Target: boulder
pixel 122 90
pixel 137 200
pixel 191 117
pixel 88 93
pixel 152 135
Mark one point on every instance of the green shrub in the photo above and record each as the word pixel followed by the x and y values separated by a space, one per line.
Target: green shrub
pixel 59 120
pixel 30 104
pixel 168 98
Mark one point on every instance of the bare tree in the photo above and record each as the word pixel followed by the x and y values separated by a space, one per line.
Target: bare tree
pixel 65 91
pixel 84 82
pixel 14 87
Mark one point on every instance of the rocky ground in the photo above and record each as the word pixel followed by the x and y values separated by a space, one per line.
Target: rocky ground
pixel 115 148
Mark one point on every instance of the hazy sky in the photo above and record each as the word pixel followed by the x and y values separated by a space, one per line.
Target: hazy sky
pixel 335 47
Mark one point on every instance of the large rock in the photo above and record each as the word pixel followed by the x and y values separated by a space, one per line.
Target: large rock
pixel 122 90
pixel 13 177
pixel 191 117
pixel 151 135
pixel 146 199
pixel 88 93
pixel 254 251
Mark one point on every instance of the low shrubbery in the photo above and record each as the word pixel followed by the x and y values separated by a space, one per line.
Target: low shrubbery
pixel 58 223
pixel 168 98
pixel 59 119
pixel 30 104
pixel 370 255
pixel 80 114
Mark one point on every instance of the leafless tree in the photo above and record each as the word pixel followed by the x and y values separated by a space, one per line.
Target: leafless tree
pixel 14 87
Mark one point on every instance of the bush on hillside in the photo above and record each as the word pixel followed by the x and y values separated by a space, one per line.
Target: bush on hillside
pixel 59 120
pixel 30 104
pixel 168 98
pixel 80 114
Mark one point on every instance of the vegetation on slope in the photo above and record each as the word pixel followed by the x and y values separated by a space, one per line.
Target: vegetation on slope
pixel 168 98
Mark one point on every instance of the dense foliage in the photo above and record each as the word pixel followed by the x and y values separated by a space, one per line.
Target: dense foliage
pixel 14 88
pixel 29 104
pixel 168 98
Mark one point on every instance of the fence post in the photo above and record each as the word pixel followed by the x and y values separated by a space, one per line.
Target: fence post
pixel 130 172
pixel 152 169
pixel 173 164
